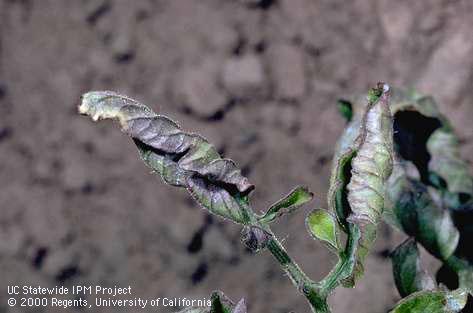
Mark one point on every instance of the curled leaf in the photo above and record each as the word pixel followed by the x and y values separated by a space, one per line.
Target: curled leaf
pixel 408 273
pixel 433 302
pixel 419 216
pixel 366 237
pixel 337 194
pixel 423 136
pixel 216 199
pixel 345 151
pixel 296 198
pixel 362 163
pixel 182 159
pixel 323 226
pixel 420 204
pixel 372 164
pixel 446 162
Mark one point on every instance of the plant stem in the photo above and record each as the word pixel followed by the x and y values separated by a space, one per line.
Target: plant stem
pixel 304 284
pixel 345 265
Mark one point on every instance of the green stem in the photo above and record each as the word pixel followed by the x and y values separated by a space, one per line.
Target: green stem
pixel 304 284
pixel 345 265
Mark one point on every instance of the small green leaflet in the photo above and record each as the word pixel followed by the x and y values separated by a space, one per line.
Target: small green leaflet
pixel 296 198
pixel 323 226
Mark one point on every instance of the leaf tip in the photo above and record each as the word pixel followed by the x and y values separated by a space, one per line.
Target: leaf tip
pixel 91 104
pixel 108 105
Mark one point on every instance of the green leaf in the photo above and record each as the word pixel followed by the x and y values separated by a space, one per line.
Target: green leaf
pixel 182 159
pixel 433 302
pixel 408 273
pixel 446 162
pixel 419 216
pixel 431 144
pixel 366 237
pixel 323 226
pixel 295 199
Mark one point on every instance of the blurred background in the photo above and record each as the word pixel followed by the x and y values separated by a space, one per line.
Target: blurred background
pixel 258 78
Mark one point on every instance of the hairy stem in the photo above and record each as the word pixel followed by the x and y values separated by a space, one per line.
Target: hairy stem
pixel 305 285
pixel 300 280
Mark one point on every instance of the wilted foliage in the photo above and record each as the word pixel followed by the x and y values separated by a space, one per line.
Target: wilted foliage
pixel 397 160
pixel 428 195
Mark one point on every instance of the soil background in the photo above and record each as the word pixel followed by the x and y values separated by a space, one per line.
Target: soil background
pixel 258 78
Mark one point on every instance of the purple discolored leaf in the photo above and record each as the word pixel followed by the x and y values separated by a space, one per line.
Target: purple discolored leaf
pixel 182 159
